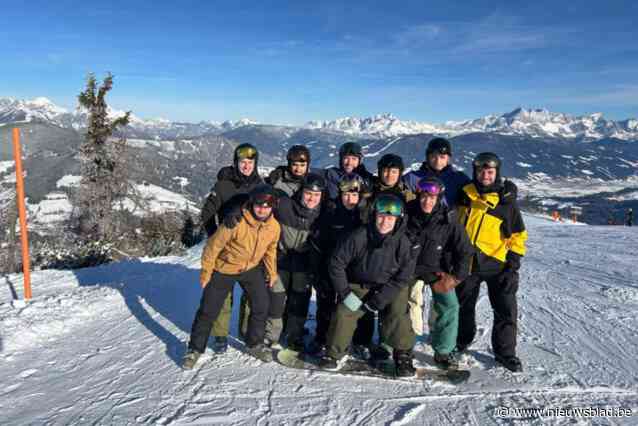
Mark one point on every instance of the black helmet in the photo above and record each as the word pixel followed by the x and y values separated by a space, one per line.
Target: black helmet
pixel 390 161
pixel 350 148
pixel 486 159
pixel 263 195
pixel 313 182
pixel 245 150
pixel 439 146
pixel 298 153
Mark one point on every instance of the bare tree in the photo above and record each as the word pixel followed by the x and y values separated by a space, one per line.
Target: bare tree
pixel 103 165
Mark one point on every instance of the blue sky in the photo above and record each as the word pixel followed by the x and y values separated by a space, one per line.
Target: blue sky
pixel 293 61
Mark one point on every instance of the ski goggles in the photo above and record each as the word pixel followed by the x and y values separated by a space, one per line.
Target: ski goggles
pixel 389 205
pixel 264 200
pixel 350 184
pixel 486 160
pixel 429 187
pixel 246 152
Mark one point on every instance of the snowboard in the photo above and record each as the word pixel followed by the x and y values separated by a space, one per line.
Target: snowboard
pixel 382 370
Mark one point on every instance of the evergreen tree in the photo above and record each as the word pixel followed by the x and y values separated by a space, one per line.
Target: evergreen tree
pixel 103 171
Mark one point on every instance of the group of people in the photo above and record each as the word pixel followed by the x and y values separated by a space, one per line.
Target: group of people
pixel 368 245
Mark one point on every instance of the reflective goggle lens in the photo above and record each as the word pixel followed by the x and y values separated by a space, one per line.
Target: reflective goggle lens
pixel 246 152
pixel 264 200
pixel 389 206
pixel 481 164
pixel 429 187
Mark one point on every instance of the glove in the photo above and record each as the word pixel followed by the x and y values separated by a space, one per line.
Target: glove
pixel 232 218
pixel 512 262
pixel 445 283
pixel 352 302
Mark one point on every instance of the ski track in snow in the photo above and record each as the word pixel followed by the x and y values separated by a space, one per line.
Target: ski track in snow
pixel 102 346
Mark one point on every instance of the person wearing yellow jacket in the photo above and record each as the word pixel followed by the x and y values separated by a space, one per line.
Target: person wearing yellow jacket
pixel 492 219
pixel 246 254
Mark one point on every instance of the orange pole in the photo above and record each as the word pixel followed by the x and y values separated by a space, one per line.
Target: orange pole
pixel 24 240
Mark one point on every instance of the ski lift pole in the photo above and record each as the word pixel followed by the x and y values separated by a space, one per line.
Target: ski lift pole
pixel 24 240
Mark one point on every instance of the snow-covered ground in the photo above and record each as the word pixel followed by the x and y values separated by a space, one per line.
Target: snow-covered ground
pixel 102 346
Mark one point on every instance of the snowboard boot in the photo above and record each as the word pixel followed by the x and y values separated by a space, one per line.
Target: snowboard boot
pixel 190 359
pixel 316 348
pixel 261 352
pixel 361 352
pixel 296 344
pixel 272 344
pixel 512 363
pixel 380 352
pixel 447 361
pixel 327 362
pixel 220 344
pixel 403 363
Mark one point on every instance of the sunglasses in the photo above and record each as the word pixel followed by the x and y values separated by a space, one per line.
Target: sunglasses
pixel 389 206
pixel 429 187
pixel 246 152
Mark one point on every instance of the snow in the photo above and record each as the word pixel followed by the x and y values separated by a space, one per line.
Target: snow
pixel 524 165
pixel 102 345
pixel 5 166
pixel 69 181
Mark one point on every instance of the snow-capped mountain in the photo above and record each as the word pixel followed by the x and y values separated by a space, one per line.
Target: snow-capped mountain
pixel 42 109
pixel 534 123
pixel 380 125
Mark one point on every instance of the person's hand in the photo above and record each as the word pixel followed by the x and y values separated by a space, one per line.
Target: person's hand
pixel 204 278
pixel 445 283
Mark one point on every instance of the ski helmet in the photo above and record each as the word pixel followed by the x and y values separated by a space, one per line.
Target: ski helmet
pixel 245 151
pixel 263 195
pixel 351 183
pixel 439 146
pixel 350 148
pixel 298 153
pixel 388 203
pixel 430 185
pixel 313 182
pixel 486 159
pixel 390 161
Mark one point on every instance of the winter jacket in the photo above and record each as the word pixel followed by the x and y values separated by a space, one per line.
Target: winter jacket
pixel 400 189
pixel 298 223
pixel 233 251
pixel 439 243
pixel 283 180
pixel 453 180
pixel 231 188
pixel 333 176
pixel 383 264
pixel 494 224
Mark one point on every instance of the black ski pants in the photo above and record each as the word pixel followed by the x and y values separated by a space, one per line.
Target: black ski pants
pixel 253 282
pixel 502 288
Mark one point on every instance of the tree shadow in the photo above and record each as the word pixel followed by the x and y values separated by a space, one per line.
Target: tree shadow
pixel 151 290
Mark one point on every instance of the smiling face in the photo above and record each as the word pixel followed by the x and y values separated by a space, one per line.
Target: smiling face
pixel 385 223
pixel 311 199
pixel 350 199
pixel 262 211
pixel 428 202
pixel 298 168
pixel 390 176
pixel 438 161
pixel 349 163
pixel 486 176
pixel 246 166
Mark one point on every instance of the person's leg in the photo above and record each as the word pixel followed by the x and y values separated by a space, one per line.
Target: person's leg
pixel 467 293
pixel 297 306
pixel 342 326
pixel 364 332
pixel 210 306
pixel 502 295
pixel 254 285
pixel 326 307
pixel 274 323
pixel 396 329
pixel 221 326
pixel 446 325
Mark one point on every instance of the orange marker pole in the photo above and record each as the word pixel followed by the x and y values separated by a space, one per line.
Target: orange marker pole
pixel 24 240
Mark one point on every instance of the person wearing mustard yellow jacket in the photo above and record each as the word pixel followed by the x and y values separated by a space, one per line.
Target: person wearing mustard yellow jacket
pixel 246 254
pixel 488 210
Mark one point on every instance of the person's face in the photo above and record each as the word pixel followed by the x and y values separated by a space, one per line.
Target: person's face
pixel 298 168
pixel 246 166
pixel 350 200
pixel 438 161
pixel 428 202
pixel 311 199
pixel 390 176
pixel 486 176
pixel 349 163
pixel 262 211
pixel 385 223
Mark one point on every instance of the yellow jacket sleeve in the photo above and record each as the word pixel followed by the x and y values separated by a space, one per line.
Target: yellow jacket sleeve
pixel 214 246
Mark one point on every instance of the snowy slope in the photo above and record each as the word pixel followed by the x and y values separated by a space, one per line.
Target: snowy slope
pixel 101 346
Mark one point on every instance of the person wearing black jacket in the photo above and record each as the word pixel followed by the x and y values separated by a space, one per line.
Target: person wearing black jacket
pixel 232 188
pixel 369 270
pixel 443 252
pixel 338 219
pixel 289 178
pixel 350 162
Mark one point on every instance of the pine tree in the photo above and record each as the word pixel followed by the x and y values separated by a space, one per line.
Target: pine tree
pixel 102 157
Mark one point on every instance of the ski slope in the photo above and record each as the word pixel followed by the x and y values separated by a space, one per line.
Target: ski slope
pixel 102 346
